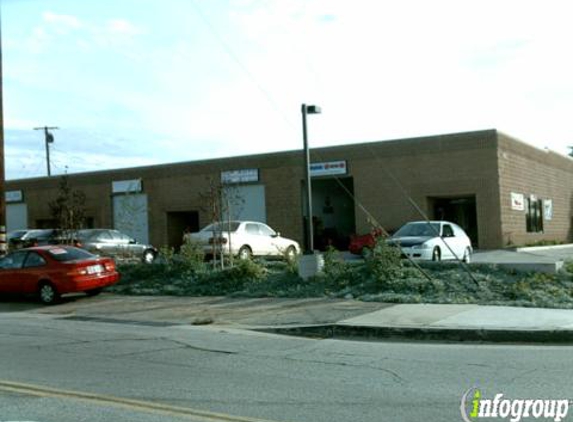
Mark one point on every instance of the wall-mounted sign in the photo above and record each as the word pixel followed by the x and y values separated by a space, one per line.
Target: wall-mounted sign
pixel 126 186
pixel 14 196
pixel 328 168
pixel 240 176
pixel 517 201
pixel 547 209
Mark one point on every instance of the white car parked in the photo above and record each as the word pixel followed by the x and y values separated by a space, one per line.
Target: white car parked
pixel 434 240
pixel 246 239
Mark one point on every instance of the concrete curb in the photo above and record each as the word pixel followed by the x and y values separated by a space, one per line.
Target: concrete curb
pixel 341 331
pixel 543 248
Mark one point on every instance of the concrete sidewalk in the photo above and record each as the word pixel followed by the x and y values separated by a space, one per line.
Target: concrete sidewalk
pixel 474 317
pixel 451 323
pixel 539 261
pixel 323 317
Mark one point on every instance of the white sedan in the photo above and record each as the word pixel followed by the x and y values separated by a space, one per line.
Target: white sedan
pixel 434 240
pixel 245 239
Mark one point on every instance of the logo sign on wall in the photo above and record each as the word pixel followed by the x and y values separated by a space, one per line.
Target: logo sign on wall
pixel 328 168
pixel 517 201
pixel 240 176
pixel 548 209
pixel 14 196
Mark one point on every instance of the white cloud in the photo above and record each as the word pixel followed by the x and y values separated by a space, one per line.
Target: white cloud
pixel 379 69
pixel 123 27
pixel 61 23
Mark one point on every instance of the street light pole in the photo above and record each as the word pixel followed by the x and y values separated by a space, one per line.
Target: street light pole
pixel 49 139
pixel 3 244
pixel 309 247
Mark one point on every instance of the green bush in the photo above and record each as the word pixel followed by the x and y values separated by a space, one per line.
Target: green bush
pixel 369 281
pixel 334 265
pixel 192 256
pixel 383 261
pixel 166 255
pixel 569 267
pixel 248 269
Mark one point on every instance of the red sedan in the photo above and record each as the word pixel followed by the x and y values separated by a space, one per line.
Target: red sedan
pixel 50 271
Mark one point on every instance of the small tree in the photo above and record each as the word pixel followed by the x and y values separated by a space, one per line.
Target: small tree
pixel 223 203
pixel 212 205
pixel 67 209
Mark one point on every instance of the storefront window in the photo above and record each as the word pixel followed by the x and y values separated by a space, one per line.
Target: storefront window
pixel 534 215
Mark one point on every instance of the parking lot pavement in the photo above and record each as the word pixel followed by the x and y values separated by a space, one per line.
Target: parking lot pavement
pixel 563 252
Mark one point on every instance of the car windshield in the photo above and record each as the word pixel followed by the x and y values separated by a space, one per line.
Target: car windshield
pixel 37 234
pixel 418 229
pixel 69 254
pixel 16 234
pixel 220 227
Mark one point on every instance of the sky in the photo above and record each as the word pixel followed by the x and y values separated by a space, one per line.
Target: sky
pixel 141 82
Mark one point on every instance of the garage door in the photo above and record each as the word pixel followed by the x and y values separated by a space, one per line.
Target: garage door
pixel 247 202
pixel 16 217
pixel 130 216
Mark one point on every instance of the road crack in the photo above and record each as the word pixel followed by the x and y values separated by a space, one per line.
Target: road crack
pixel 395 376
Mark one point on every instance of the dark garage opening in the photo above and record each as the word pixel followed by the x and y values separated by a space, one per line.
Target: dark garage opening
pixel 333 212
pixel 459 210
pixel 177 222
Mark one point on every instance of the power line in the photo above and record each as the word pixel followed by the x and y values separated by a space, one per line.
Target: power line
pixel 245 69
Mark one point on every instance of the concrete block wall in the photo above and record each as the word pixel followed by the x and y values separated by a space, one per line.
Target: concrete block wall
pixel 486 164
pixel 531 171
pixel 445 166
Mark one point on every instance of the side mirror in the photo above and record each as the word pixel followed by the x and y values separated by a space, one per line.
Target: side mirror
pixel 277 234
pixel 132 241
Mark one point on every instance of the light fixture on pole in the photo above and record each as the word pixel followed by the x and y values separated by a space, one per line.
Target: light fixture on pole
pixel 308 109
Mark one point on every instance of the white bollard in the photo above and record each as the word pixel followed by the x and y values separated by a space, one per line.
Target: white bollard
pixel 310 265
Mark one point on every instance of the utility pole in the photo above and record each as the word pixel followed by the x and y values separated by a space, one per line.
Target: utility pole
pixel 308 109
pixel 49 138
pixel 3 244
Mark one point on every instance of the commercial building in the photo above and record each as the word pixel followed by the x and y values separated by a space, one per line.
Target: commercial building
pixel 500 190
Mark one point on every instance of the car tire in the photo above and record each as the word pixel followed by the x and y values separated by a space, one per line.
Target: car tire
pixel 94 292
pixel 467 256
pixel 290 254
pixel 148 257
pixel 245 253
pixel 436 254
pixel 47 293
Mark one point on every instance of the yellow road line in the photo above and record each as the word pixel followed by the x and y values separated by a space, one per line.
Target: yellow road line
pixel 130 404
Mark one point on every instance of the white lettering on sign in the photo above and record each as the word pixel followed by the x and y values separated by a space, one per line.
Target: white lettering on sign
pixel 14 196
pixel 328 168
pixel 240 176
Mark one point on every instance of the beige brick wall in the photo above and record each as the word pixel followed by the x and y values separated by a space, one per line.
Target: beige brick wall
pixel 530 171
pixel 445 165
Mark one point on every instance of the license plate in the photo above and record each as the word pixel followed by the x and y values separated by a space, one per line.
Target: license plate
pixel 94 269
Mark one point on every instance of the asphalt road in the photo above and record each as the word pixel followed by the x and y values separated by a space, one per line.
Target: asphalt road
pixel 57 369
